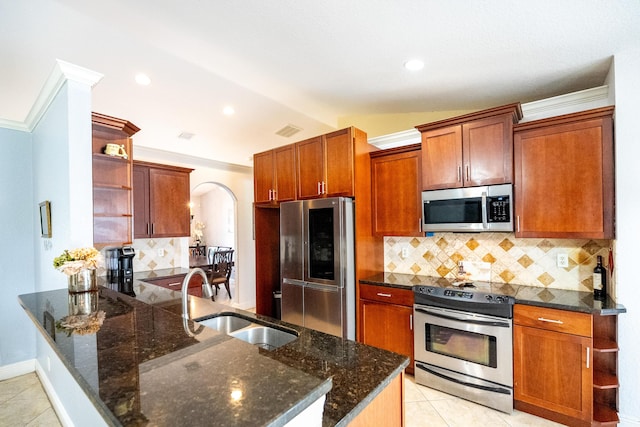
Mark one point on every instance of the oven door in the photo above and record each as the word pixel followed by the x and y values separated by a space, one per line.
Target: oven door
pixel 476 345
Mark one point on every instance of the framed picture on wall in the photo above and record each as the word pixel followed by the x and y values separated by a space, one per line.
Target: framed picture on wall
pixel 45 219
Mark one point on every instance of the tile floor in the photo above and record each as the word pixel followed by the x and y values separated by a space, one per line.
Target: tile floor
pixel 23 402
pixel 425 406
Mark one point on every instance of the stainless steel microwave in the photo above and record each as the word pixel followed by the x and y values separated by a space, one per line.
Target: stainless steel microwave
pixel 470 209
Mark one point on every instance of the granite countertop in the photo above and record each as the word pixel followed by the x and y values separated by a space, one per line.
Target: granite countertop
pixel 142 368
pixel 529 295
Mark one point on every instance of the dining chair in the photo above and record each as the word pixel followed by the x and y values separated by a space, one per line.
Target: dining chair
pixel 220 269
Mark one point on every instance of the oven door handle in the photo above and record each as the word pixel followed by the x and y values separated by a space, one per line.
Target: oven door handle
pixel 464 383
pixel 472 321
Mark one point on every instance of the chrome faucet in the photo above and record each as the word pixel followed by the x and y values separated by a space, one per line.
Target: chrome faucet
pixel 185 296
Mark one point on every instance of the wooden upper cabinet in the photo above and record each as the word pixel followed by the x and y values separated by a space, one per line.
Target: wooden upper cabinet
pixel 161 195
pixel 325 165
pixel 442 158
pixel 339 163
pixel 395 191
pixel 112 209
pixel 470 150
pixel 310 167
pixel 564 176
pixel 274 176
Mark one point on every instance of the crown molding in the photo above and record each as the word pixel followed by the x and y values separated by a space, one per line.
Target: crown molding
pixel 61 73
pixel 570 101
pixel 143 153
pixel 397 139
pixel 557 105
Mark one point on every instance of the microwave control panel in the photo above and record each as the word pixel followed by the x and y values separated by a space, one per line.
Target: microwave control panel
pixel 498 209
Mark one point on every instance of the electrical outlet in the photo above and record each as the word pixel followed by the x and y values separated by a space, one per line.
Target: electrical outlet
pixel 404 253
pixel 161 252
pixel 562 260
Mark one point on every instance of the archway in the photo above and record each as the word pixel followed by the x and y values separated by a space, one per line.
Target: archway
pixel 214 221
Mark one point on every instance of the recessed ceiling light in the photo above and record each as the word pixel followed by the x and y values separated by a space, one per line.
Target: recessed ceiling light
pixel 228 110
pixel 142 79
pixel 414 65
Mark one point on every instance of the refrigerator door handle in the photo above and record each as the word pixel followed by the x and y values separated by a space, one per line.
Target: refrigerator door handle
pixel 293 282
pixel 321 287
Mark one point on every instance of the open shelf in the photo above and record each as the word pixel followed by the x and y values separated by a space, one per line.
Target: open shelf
pixel 112 187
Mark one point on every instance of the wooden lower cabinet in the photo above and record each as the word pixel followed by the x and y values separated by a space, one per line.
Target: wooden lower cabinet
pixel 558 367
pixel 386 319
pixel 386 409
pixel 175 284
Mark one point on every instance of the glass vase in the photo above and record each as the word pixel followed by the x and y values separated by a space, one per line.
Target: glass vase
pixel 83 281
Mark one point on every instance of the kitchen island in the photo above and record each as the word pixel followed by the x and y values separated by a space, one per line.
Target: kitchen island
pixel 142 368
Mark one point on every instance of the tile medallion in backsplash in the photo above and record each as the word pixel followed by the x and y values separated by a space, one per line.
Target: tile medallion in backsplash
pixel 156 254
pixel 531 262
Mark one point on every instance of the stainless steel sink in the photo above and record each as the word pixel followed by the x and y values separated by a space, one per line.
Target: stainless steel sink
pixel 264 336
pixel 261 335
pixel 225 323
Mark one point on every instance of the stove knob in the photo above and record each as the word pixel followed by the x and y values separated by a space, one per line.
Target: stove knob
pixel 489 297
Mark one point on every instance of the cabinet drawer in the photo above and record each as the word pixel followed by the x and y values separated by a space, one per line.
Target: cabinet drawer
pixel 388 295
pixel 569 322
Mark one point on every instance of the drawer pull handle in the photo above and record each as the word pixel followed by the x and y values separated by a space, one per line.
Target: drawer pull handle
pixel 542 319
pixel 588 358
pixel 380 294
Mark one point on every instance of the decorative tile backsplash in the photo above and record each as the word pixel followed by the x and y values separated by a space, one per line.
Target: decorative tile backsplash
pixel 156 254
pixel 530 262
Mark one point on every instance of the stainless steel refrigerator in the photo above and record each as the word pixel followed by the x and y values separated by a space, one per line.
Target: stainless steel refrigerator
pixel 317 265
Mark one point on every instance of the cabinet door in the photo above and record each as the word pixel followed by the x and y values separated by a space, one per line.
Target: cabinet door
pixel 339 163
pixel 285 173
pixel 564 180
pixel 310 169
pixel 442 158
pixel 388 326
pixel 395 194
pixel 487 151
pixel 169 203
pixel 263 177
pixel 141 219
pixel 552 370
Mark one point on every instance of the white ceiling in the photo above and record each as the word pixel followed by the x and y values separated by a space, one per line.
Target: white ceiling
pixel 304 62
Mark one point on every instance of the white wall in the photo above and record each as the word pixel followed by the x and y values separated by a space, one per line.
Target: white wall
pixel 627 100
pixel 62 174
pixel 217 211
pixel 17 213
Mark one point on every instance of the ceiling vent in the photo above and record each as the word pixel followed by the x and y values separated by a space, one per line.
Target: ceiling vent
pixel 288 130
pixel 186 135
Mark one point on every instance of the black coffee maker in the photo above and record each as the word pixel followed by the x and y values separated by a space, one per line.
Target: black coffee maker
pixel 119 265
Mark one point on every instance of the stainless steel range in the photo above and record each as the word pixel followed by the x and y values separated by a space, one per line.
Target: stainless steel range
pixel 464 343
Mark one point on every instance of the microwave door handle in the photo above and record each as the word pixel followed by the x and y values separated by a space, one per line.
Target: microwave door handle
pixel 485 223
